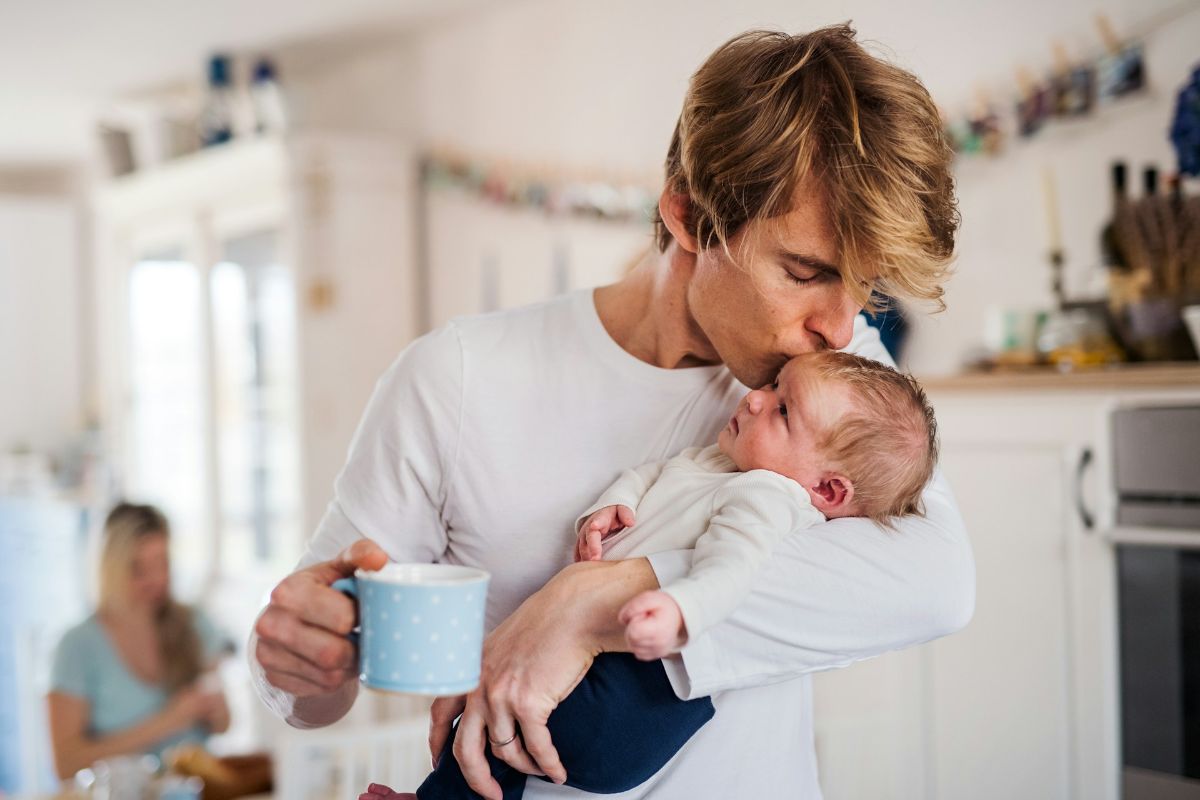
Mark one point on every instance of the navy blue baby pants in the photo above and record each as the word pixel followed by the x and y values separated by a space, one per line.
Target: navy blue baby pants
pixel 619 726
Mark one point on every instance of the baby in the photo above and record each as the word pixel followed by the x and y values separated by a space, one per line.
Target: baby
pixel 836 435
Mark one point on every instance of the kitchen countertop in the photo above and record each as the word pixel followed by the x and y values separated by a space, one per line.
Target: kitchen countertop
pixel 1172 375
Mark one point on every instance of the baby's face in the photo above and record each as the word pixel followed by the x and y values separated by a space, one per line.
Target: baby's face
pixel 776 427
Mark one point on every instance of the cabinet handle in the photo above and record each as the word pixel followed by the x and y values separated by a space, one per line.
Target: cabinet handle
pixel 1085 516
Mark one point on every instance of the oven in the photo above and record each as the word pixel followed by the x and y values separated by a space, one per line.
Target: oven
pixel 1156 470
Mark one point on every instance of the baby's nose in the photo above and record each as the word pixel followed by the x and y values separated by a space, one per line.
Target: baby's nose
pixel 754 401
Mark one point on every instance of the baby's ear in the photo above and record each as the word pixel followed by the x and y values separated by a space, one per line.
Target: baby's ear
pixel 833 496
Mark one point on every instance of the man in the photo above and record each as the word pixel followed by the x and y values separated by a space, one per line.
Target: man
pixel 803 176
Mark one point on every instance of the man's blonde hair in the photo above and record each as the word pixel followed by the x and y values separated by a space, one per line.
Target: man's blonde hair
pixel 886 442
pixel 769 110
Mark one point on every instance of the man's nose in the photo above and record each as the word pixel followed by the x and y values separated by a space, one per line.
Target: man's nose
pixel 836 327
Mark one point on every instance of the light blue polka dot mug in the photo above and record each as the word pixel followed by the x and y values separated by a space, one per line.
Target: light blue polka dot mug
pixel 420 627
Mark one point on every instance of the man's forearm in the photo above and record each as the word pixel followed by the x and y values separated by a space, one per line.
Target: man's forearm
pixel 599 589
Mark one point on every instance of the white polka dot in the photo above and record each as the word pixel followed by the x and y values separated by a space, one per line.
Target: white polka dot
pixel 383 615
pixel 416 619
pixel 462 673
pixel 470 597
pixel 395 676
pixel 396 636
pixel 429 676
pixel 454 622
pixel 433 637
pixel 450 656
pixel 395 597
pixel 435 599
pixel 464 637
pixel 383 655
pixel 415 657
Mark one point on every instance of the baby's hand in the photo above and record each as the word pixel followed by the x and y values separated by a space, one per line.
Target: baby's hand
pixel 601 524
pixel 653 625
pixel 377 791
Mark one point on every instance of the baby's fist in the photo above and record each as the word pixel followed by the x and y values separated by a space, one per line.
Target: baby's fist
pixel 601 524
pixel 653 625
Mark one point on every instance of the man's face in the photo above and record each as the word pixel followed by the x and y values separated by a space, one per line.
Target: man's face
pixel 785 297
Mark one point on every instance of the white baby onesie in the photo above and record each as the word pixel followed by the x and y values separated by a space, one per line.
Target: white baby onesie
pixel 700 499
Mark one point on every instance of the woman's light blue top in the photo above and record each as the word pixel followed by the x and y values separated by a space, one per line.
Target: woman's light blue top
pixel 87 665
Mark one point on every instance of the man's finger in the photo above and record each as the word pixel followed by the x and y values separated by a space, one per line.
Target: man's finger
pixel 276 659
pixel 441 719
pixel 468 750
pixel 293 685
pixel 310 599
pixel 319 647
pixel 541 748
pixel 515 755
pixel 362 554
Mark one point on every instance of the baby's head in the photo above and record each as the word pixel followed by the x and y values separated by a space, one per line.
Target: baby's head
pixel 857 434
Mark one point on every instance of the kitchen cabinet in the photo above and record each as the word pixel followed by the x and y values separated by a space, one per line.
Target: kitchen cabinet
pixel 1023 702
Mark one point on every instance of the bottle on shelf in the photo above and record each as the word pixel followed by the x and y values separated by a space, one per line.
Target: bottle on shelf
pixel 216 120
pixel 270 110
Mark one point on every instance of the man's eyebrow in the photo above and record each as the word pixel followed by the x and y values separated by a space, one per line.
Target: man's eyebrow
pixel 812 262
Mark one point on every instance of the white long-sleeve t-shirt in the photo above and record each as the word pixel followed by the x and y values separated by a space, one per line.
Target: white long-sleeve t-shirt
pixel 731 520
pixel 485 438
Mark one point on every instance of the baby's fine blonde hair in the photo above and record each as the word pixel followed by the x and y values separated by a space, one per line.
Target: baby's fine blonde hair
pixel 886 442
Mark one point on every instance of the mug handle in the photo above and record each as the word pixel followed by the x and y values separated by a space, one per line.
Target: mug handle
pixel 349 587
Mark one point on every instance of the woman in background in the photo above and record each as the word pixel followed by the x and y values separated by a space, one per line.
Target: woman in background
pixel 130 678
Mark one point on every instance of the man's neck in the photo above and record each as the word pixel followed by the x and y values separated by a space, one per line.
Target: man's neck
pixel 647 313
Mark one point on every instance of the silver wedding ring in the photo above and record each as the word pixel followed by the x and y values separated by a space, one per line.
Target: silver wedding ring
pixel 509 740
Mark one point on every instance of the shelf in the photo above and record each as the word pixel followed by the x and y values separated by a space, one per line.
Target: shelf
pixel 206 177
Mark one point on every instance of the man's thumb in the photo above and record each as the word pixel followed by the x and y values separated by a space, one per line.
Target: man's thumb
pixel 363 554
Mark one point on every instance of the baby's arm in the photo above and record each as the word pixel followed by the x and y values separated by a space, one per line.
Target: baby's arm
pixel 615 510
pixel 751 513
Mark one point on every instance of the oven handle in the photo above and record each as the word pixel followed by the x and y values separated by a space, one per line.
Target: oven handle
pixel 1085 516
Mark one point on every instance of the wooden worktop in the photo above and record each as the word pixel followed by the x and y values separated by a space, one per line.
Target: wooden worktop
pixel 1174 375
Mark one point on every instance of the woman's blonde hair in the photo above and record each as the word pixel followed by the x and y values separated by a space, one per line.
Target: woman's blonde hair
pixel 768 110
pixel 127 526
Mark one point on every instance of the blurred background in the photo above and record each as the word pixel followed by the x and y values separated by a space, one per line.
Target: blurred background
pixel 220 222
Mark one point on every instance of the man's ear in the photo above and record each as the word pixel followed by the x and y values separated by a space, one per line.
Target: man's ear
pixel 833 496
pixel 676 212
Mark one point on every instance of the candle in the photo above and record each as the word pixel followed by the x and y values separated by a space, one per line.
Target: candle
pixel 1052 222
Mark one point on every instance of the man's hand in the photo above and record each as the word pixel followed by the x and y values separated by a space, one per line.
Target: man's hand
pixel 653 625
pixel 599 526
pixel 531 662
pixel 302 644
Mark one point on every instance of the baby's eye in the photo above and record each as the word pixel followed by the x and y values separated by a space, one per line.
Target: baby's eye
pixel 775 385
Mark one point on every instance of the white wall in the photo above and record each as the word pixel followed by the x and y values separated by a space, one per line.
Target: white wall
pixel 588 86
pixel 1004 240
pixel 40 346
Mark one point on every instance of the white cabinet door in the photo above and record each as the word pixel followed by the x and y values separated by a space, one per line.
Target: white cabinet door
pixel 1020 703
pixel 999 689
